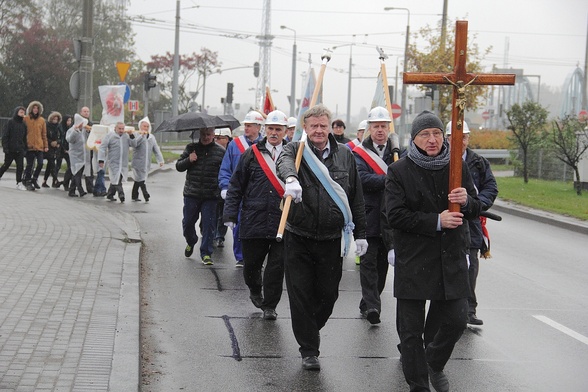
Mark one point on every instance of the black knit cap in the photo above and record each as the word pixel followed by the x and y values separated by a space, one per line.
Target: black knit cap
pixel 425 120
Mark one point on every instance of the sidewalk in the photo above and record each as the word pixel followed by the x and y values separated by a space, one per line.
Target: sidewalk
pixel 69 293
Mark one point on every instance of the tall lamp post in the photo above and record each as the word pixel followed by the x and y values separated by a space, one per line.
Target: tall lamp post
pixel 403 103
pixel 293 85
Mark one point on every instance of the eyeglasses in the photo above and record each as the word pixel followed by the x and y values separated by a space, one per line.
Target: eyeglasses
pixel 427 135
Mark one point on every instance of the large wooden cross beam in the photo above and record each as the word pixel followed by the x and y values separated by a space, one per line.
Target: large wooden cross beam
pixel 459 79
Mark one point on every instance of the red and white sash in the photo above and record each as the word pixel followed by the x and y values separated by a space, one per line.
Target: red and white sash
pixel 372 159
pixel 269 168
pixel 241 143
pixel 354 143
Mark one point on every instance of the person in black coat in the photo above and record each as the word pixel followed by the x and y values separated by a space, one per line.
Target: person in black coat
pixel 256 192
pixel 431 245
pixel 14 144
pixel 487 188
pixel 373 156
pixel 63 152
pixel 53 122
pixel 201 161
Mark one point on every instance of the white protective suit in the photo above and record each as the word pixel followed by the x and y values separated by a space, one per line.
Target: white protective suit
pixel 77 144
pixel 141 162
pixel 114 150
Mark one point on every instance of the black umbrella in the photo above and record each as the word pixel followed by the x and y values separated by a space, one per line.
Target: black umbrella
pixel 231 121
pixel 191 121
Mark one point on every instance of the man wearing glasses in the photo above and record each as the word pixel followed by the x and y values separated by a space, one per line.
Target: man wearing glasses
pixel 431 247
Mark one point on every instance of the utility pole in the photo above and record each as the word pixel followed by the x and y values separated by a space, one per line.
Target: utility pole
pixel 176 63
pixel 86 58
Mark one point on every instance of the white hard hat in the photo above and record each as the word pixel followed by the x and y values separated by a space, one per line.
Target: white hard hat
pixel 379 114
pixel 292 122
pixel 276 118
pixel 362 125
pixel 253 117
pixel 466 129
pixel 223 132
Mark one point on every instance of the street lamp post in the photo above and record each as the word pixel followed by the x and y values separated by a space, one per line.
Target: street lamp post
pixel 403 103
pixel 293 85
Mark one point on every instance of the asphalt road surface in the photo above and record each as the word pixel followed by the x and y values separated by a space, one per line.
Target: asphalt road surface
pixel 200 331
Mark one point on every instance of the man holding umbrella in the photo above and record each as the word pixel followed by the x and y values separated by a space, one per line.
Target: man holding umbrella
pixel 201 161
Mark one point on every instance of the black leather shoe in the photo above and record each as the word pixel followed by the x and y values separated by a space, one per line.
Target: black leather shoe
pixel 311 363
pixel 473 320
pixel 373 316
pixel 438 380
pixel 270 314
pixel 257 299
pixel 111 198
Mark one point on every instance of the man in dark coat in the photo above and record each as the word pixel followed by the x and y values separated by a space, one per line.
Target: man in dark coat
pixel 319 227
pixel 373 156
pixel 431 246
pixel 201 161
pixel 487 188
pixel 14 143
pixel 255 190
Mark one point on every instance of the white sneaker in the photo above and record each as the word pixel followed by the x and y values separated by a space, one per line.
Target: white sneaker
pixel 21 187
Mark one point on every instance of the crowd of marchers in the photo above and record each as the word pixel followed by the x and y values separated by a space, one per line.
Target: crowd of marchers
pixel 33 143
pixel 329 189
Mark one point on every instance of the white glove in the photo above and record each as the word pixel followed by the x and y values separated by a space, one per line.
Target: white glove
pixel 295 190
pixel 230 224
pixel 361 247
pixel 224 194
pixel 391 257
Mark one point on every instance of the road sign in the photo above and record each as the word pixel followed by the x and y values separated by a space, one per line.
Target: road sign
pixel 396 110
pixel 133 106
pixel 122 67
pixel 486 115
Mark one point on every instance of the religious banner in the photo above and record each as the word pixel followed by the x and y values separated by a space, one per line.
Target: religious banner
pixel 305 101
pixel 379 96
pixel 96 135
pixel 268 105
pixel 113 108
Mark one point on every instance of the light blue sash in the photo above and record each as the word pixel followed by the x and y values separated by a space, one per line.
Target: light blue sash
pixel 336 192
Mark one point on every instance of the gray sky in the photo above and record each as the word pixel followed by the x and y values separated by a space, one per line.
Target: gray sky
pixel 543 37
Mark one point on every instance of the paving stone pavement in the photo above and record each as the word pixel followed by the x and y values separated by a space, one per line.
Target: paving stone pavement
pixel 69 293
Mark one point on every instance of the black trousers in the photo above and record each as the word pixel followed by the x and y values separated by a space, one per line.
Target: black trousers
pixel 473 274
pixel 272 283
pixel 76 183
pixel 50 168
pixel 135 192
pixel 372 274
pixel 444 325
pixel 113 188
pixel 17 157
pixel 313 271
pixel 33 157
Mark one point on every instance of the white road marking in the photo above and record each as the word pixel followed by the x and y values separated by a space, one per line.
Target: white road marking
pixel 562 328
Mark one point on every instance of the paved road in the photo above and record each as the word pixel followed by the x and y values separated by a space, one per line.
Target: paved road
pixel 69 307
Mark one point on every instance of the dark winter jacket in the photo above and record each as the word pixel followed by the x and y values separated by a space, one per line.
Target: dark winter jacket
pixel 14 138
pixel 487 191
pixel 63 127
pixel 52 135
pixel 317 216
pixel 430 264
pixel 260 208
pixel 373 187
pixel 202 174
pixel 341 139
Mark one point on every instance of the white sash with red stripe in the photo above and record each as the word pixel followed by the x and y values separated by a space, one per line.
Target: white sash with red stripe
pixel 354 143
pixel 269 168
pixel 372 159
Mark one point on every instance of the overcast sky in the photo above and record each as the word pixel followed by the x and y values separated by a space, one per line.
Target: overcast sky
pixel 543 37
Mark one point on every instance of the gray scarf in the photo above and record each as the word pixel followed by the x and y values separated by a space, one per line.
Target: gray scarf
pixel 426 162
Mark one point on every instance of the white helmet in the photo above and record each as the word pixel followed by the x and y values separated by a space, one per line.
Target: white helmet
pixel 276 118
pixel 223 132
pixel 379 114
pixel 362 125
pixel 466 129
pixel 292 122
pixel 253 117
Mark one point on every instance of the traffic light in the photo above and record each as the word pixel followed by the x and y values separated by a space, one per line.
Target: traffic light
pixel 256 69
pixel 229 92
pixel 150 81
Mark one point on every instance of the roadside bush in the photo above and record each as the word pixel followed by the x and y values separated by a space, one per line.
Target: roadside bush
pixel 487 139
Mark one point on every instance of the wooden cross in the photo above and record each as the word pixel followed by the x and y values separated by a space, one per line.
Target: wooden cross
pixel 459 79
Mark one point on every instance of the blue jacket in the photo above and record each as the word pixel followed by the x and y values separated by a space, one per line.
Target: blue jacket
pixel 485 183
pixel 230 161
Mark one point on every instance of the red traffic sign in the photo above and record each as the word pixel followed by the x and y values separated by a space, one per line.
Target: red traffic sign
pixel 583 115
pixel 133 106
pixel 486 115
pixel 396 110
